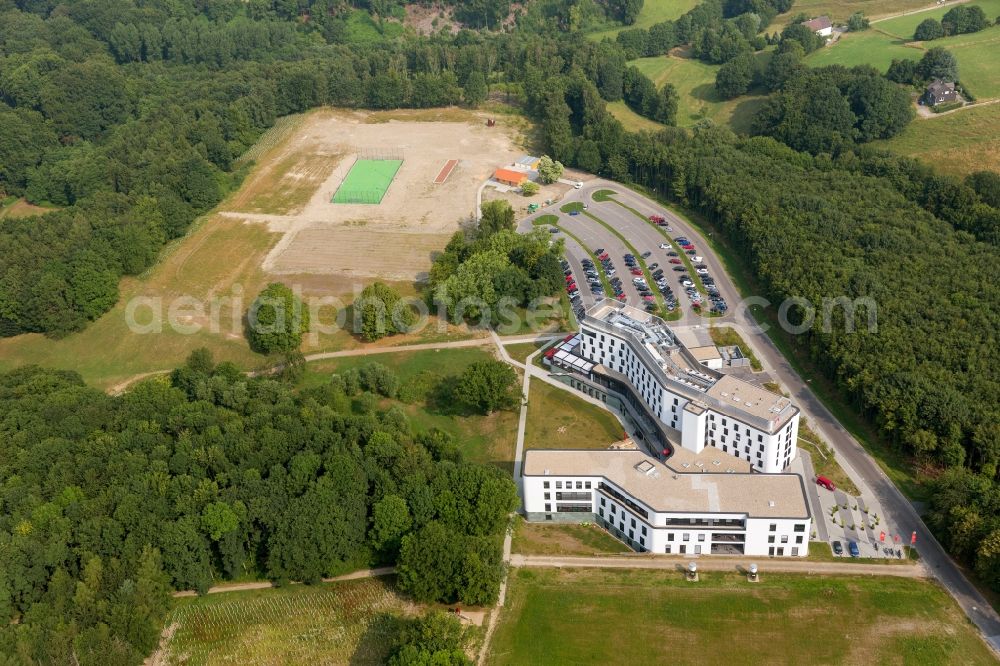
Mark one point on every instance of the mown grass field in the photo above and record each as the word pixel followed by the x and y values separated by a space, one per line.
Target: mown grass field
pixel 484 439
pixel 653 11
pixel 978 53
pixel 698 100
pixel 555 539
pixel 522 350
pixel 630 617
pixel 840 10
pixel 350 622
pixel 957 143
pixel 558 419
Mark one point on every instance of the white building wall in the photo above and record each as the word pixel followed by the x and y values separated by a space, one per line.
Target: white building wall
pixel 765 452
pixel 789 538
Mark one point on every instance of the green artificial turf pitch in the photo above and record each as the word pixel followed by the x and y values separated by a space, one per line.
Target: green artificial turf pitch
pixel 367 181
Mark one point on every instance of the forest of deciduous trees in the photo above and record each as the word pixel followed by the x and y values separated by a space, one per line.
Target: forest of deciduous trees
pixel 108 503
pixel 131 116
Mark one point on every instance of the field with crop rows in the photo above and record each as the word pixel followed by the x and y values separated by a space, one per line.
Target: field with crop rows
pixel 350 622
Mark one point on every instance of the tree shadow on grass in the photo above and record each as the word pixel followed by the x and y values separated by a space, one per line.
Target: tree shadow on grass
pixel 377 640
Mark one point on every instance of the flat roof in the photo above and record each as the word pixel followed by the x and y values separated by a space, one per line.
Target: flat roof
pixel 750 398
pixel 656 344
pixel 706 353
pixel 666 490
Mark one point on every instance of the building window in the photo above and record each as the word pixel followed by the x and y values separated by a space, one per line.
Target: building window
pixel 798 539
pixel 667 549
pixel 760 438
pixel 579 485
pixel 781 551
pixel 687 537
pixel 643 529
pixel 558 485
pixel 548 516
pixel 784 538
pixel 633 522
pixel 697 550
pixel 545 484
pixel 701 537
pixel 574 508
pixel 631 535
pixel 548 507
pixel 773 527
pixel 800 527
pixel 602 502
pixel 670 537
pixel 548 495
pixel 600 512
pixel 587 485
pixel 614 509
pixel 770 538
pixel 795 552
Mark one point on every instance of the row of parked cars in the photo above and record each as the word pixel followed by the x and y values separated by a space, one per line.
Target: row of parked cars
pixel 718 303
pixel 639 281
pixel 572 290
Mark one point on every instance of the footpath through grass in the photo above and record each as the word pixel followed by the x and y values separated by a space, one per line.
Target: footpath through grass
pixel 613 616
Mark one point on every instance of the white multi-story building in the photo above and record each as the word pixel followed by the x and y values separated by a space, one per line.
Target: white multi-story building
pixel 654 507
pixel 634 351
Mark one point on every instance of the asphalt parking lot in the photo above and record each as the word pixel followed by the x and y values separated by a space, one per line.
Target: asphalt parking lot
pixel 642 236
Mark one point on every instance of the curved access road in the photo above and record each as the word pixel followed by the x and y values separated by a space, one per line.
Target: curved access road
pixel 900 515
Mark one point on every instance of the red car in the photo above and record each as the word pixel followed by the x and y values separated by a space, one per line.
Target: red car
pixel 648 299
pixel 675 260
pixel 620 297
pixel 636 271
pixel 656 219
pixel 826 483
pixel 602 257
pixel 571 286
pixel 688 246
pixel 569 278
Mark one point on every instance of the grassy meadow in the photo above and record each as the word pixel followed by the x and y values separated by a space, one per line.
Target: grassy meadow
pixel 956 143
pixel 350 622
pixel 561 539
pixel 608 616
pixel 653 11
pixel 560 419
pixel 484 439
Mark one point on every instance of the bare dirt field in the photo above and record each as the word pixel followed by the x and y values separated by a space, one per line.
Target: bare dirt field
pixel 290 191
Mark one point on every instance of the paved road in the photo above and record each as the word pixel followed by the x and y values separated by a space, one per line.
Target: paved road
pixel 719 563
pixel 898 513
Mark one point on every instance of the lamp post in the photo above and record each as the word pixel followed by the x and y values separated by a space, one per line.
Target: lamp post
pixel 692 572
pixel 752 574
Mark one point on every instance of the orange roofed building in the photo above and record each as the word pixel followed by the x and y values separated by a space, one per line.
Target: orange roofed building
pixel 510 177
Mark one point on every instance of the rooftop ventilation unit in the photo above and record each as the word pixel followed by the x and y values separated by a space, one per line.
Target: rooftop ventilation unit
pixel 770 503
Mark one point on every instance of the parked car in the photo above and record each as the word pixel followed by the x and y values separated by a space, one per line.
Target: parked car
pixel 665 246
pixel 577 185
pixel 852 547
pixel 675 261
pixel 653 266
pixel 672 254
pixel 825 482
pixel 696 259
pixel 690 252
pixel 838 549
pixel 646 254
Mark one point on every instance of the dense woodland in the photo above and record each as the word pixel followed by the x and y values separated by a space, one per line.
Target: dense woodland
pixel 107 503
pixel 131 117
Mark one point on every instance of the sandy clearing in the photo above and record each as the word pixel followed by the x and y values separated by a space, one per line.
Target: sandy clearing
pixel 396 238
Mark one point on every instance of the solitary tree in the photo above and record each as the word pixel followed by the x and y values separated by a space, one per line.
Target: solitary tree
pixel 497 216
pixel 380 312
pixel 487 386
pixel 549 170
pixel 530 188
pixel 857 22
pixel 276 320
pixel 927 30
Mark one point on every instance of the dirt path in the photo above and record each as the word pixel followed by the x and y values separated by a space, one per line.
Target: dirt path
pixel 926 114
pixel 722 564
pixel 122 386
pixel 919 11
pixel 264 584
